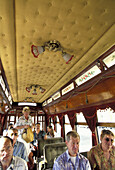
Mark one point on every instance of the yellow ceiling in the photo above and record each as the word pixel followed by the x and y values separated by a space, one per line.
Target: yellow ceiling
pixel 84 28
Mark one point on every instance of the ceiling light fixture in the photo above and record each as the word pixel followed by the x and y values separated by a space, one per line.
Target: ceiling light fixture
pixel 29 98
pixel 34 87
pixel 36 50
pixel 51 46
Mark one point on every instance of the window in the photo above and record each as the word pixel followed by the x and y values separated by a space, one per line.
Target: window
pixel 67 125
pixel 80 117
pixel 12 118
pixel 58 127
pixel 84 132
pixel 85 138
pixel 106 115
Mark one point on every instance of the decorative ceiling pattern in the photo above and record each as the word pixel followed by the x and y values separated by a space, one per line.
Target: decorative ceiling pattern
pixel 84 29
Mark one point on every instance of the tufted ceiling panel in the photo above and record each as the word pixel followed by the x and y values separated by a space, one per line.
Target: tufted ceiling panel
pixel 85 29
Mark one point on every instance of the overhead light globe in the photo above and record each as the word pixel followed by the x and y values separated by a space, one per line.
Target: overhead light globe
pixel 67 57
pixel 36 50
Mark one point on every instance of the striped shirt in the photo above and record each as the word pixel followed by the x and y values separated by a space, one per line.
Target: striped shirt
pixel 63 162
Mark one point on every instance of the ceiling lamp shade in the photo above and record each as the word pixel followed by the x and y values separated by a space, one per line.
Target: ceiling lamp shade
pixel 34 92
pixel 67 57
pixel 36 50
pixel 42 90
pixel 28 89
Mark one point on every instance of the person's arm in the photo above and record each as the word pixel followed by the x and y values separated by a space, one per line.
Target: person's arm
pixel 45 137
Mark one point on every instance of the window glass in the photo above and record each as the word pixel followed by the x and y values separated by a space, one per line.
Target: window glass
pixel 32 119
pixel 43 118
pixel 35 119
pixel 100 128
pixel 85 138
pixel 58 127
pixel 12 118
pixel 8 117
pixel 107 115
pixel 58 130
pixel 40 118
pixel 67 125
pixel 80 117
pixel 67 128
pixel 51 120
pixel 16 118
pixel 67 119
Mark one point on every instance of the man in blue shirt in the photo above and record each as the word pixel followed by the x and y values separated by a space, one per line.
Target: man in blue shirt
pixel 72 159
pixel 19 147
pixel 7 160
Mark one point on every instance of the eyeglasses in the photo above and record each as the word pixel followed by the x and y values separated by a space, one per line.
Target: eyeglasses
pixel 107 139
pixel 15 134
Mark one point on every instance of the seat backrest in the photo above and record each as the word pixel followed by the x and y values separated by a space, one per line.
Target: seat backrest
pixel 43 142
pixel 52 151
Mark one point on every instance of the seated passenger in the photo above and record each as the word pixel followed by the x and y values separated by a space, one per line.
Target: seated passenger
pixel 19 147
pixel 71 159
pixel 7 160
pixel 102 156
pixel 10 126
pixel 38 134
pixel 50 132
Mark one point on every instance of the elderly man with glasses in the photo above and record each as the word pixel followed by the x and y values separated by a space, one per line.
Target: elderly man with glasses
pixel 19 147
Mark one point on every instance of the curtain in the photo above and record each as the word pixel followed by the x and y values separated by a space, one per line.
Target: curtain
pixel 47 119
pixel 61 123
pixel 72 118
pixel 53 118
pixel 91 118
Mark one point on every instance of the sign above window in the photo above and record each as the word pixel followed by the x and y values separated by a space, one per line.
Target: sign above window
pixel 68 88
pixel 110 60
pixel 56 95
pixel 88 75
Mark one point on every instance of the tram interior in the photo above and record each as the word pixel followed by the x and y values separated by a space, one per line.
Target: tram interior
pixel 60 56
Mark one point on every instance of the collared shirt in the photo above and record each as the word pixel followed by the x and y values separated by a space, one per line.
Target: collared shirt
pixel 98 161
pixel 22 121
pixel 40 135
pixel 16 164
pixel 63 162
pixel 20 150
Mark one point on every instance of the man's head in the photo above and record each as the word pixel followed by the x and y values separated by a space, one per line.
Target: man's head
pixel 107 139
pixel 6 150
pixel 10 126
pixel 37 127
pixel 13 134
pixel 49 128
pixel 26 111
pixel 72 142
